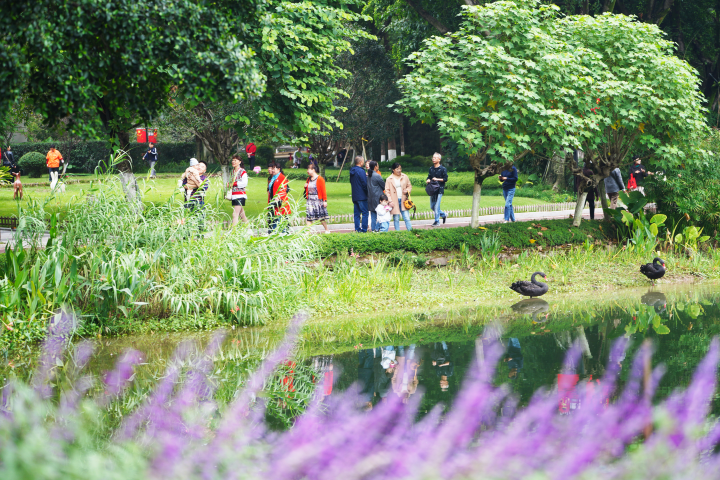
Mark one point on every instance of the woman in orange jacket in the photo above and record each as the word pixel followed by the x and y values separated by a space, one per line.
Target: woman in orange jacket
pixel 316 209
pixel 53 161
pixel 278 189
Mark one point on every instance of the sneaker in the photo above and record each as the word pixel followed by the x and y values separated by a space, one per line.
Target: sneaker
pixel 443 219
pixel 436 224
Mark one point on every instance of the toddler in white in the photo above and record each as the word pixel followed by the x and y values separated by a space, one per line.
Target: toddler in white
pixel 383 214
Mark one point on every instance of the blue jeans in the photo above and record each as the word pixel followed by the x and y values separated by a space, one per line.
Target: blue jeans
pixel 435 207
pixel 405 215
pixel 509 213
pixel 152 169
pixel 361 213
pixel 383 227
pixel 374 225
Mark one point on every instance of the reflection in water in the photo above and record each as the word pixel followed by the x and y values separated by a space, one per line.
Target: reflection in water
pixel 323 366
pixel 532 306
pixel 655 299
pixel 442 363
pixel 514 357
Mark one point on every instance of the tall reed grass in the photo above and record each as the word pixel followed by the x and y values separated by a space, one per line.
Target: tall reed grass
pixel 115 260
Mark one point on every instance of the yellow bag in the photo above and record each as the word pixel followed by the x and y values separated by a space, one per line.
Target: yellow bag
pixel 409 204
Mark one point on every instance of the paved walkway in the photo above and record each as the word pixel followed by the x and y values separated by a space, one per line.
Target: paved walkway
pixel 6 235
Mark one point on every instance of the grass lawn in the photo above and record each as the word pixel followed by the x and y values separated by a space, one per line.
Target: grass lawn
pixel 160 190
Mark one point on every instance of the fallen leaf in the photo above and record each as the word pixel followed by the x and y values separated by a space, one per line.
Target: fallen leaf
pixel 543 228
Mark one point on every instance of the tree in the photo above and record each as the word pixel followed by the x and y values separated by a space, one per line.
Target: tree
pixel 642 98
pixel 500 86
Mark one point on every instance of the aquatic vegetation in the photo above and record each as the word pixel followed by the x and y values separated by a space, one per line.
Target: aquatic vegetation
pixel 49 429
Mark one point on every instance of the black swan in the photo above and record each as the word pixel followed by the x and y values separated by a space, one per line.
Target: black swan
pixel 532 306
pixel 654 270
pixel 531 289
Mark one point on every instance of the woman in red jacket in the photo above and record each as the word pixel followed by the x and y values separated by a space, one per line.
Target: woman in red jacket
pixel 278 189
pixel 316 195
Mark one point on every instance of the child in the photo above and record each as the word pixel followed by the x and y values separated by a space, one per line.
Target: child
pixel 192 177
pixel 17 186
pixel 383 213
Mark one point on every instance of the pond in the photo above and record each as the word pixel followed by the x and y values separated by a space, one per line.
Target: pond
pixel 432 352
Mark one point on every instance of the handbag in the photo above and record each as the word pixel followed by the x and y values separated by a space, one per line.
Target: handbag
pixel 409 204
pixel 228 195
pixel 632 184
pixel 432 188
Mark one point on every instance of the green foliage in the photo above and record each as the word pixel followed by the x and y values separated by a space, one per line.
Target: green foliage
pixel 33 164
pixel 404 258
pixel 689 239
pixel 499 93
pixel 631 222
pixel 264 155
pixel 645 318
pixel 544 233
pixel 628 108
pixel 106 64
pixel 413 161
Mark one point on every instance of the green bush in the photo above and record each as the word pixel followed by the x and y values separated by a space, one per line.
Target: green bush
pixel 512 235
pixel 264 155
pixel 33 164
pixel 413 161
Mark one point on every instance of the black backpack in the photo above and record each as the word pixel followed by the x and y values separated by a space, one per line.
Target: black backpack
pixel 432 188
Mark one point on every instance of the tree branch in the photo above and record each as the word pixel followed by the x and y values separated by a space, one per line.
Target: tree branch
pixel 426 15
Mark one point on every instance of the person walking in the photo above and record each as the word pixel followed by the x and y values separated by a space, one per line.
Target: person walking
pixel 238 196
pixel 359 187
pixel 397 187
pixel 251 149
pixel 437 174
pixel 8 157
pixel 613 185
pixel 53 160
pixel 151 157
pixel 509 179
pixel 278 190
pixel 376 188
pixel 316 195
pixel 17 185
pixel 592 193
pixel 638 171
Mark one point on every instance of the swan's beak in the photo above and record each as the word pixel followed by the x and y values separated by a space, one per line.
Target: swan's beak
pixel 663 265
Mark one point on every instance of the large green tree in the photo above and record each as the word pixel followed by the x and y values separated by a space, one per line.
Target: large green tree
pixel 642 98
pixel 501 86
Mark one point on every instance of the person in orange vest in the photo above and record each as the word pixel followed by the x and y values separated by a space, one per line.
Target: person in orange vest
pixel 53 160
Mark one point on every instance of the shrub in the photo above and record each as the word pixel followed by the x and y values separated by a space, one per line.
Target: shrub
pixel 33 164
pixel 513 235
pixel 413 161
pixel 264 155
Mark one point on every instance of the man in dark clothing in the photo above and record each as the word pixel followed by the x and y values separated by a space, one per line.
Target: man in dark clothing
pixel 638 171
pixel 8 157
pixel 151 157
pixel 358 184
pixel 341 155
pixel 438 173
pixel 509 179
pixel 592 193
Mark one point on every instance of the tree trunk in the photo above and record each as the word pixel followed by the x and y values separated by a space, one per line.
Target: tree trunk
pixel 475 212
pixel 579 206
pixel 383 150
pixel 603 195
pixel 225 175
pixel 559 170
pixel 402 136
pixel 392 149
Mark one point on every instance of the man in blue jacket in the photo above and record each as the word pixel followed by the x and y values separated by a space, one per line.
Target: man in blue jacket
pixel 509 179
pixel 358 184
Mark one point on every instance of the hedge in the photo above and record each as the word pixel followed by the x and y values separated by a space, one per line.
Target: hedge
pixel 513 235
pixel 84 156
pixel 33 164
